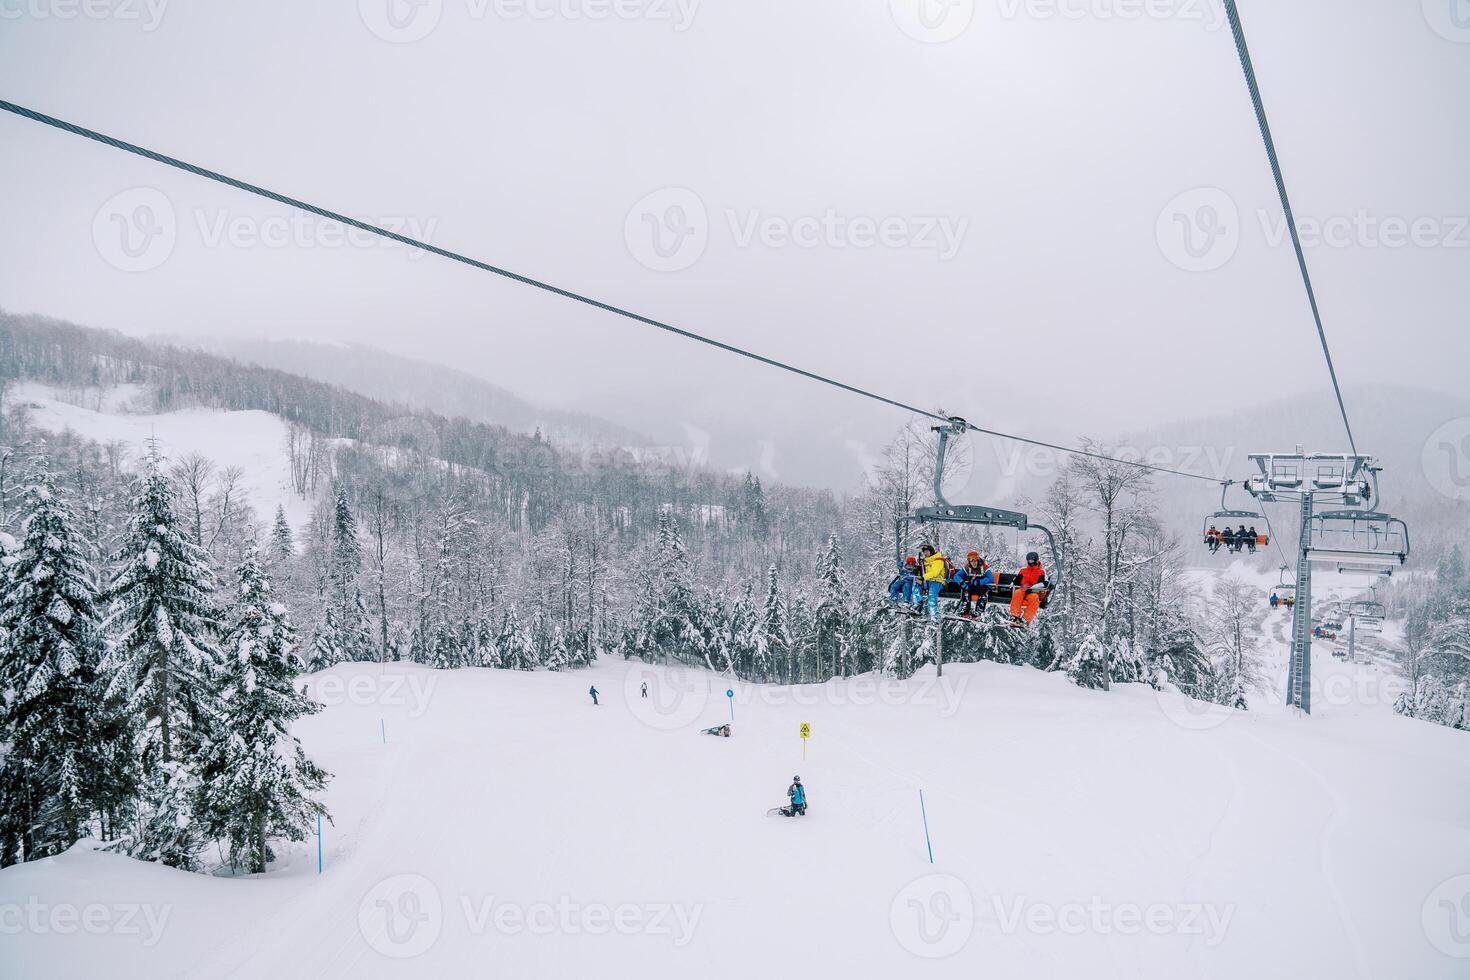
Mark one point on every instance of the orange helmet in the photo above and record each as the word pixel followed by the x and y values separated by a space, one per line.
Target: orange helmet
pixel 973 556
pixel 911 560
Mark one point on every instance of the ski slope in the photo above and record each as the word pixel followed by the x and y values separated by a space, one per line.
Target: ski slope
pixel 254 441
pixel 492 823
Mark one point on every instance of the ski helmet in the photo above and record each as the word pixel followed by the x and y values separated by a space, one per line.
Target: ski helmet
pixel 1032 556
pixel 911 560
pixel 796 779
pixel 973 556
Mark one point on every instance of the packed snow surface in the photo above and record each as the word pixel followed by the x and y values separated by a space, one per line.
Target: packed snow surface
pixel 254 441
pixel 492 823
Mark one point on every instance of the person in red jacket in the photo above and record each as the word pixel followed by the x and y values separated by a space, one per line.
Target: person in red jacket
pixel 1026 597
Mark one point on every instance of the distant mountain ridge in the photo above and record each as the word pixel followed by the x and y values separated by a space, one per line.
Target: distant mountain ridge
pixel 418 384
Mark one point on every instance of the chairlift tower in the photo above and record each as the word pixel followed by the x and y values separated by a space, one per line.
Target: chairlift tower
pixel 1341 478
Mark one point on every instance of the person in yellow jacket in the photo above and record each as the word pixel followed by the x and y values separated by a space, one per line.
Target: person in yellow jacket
pixel 933 572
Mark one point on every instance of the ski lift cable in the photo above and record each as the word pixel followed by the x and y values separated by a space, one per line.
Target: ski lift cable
pixel 525 280
pixel 1301 259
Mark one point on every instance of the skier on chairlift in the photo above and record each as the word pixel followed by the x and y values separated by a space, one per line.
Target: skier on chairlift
pixel 974 580
pixel 1026 596
pixel 902 589
pixel 1227 539
pixel 1242 537
pixel 1252 539
pixel 933 570
pixel 1212 539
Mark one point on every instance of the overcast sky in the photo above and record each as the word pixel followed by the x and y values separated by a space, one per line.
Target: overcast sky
pixel 1049 216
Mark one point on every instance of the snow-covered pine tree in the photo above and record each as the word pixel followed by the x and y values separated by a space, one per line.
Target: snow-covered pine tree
pixel 345 632
pixel 516 649
pixel 1088 666
pixel 773 637
pixel 60 768
pixel 164 662
pixel 834 620
pixel 282 553
pixel 557 655
pixel 257 782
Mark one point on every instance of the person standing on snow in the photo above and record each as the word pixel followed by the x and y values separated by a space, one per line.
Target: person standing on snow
pixel 593 691
pixel 644 689
pixel 797 795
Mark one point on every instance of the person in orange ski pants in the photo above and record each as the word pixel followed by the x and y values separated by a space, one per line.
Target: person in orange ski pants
pixel 1024 602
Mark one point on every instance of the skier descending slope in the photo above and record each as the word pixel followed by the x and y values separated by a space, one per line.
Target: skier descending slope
pixel 593 691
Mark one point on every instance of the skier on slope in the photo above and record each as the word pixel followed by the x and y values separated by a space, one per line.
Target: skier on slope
pixel 593 691
pixel 797 795
pixel 644 689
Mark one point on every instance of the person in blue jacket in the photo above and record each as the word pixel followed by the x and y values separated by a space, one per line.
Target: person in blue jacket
pixel 797 795
pixel 974 580
pixel 593 691
pixel 902 589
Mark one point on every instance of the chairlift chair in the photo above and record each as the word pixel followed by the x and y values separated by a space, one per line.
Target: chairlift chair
pixel 1230 518
pixel 944 512
pixel 1359 541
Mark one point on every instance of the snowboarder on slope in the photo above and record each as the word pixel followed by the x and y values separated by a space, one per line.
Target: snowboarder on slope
pixel 593 691
pixel 644 689
pixel 797 795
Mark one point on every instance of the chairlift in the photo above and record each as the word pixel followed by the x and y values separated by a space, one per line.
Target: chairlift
pixel 1285 591
pixel 1359 541
pixel 1217 538
pixel 944 512
pixel 1351 477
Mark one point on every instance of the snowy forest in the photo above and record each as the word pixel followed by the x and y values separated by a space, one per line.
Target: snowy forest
pixel 153 623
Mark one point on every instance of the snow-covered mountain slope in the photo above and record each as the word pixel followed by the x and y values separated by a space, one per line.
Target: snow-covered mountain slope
pixel 254 441
pixel 498 824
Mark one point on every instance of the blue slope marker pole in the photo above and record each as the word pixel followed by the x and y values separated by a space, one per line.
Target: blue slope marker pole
pixel 318 843
pixel 383 730
pixel 927 842
pixel 730 693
